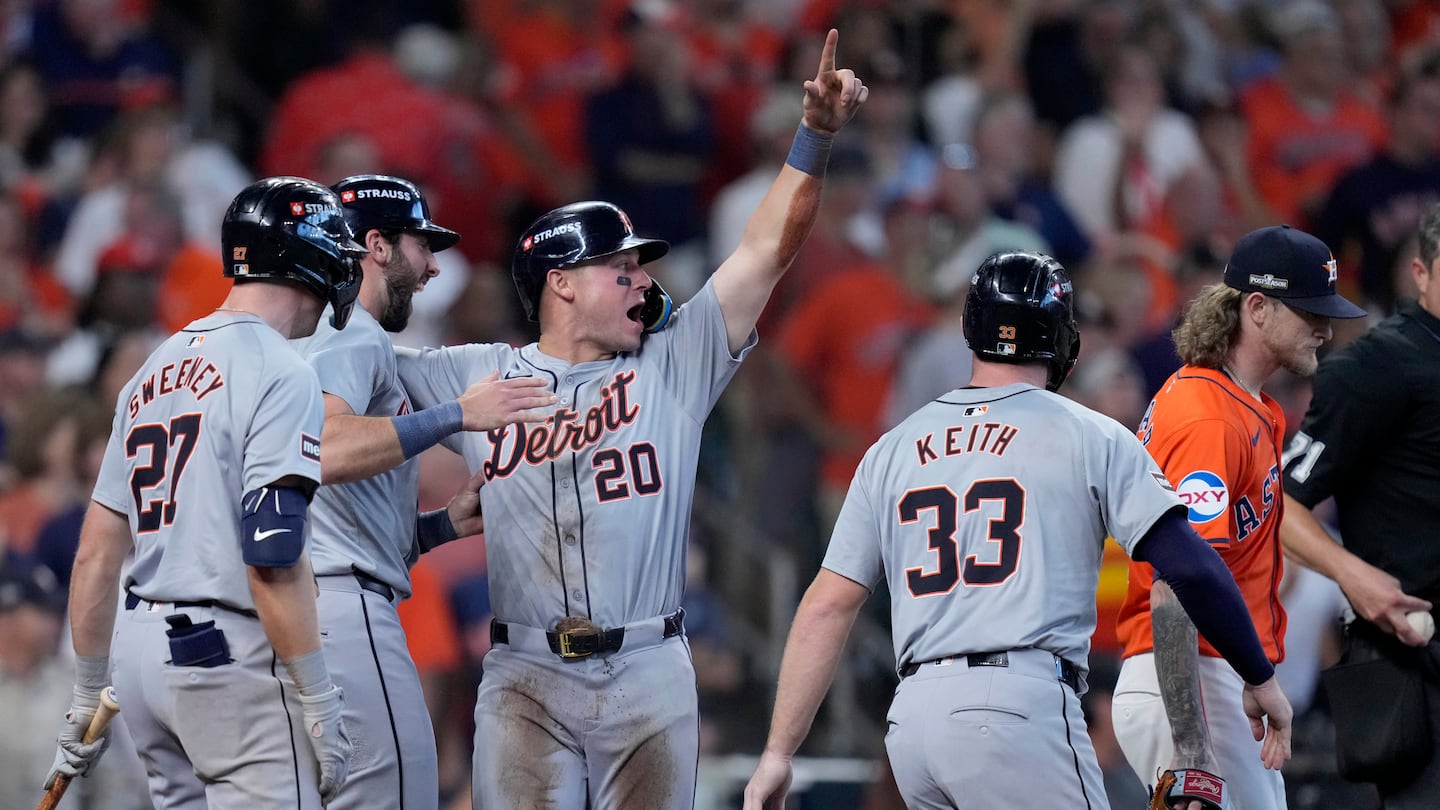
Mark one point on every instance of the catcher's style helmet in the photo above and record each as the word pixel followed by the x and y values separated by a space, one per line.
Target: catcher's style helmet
pixel 289 229
pixel 1021 307
pixel 577 233
pixel 384 203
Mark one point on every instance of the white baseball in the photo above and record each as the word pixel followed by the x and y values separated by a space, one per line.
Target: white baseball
pixel 1422 622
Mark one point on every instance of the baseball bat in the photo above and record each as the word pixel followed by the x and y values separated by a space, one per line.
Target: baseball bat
pixel 109 706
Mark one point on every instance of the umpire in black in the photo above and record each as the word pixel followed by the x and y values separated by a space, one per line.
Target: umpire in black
pixel 1371 439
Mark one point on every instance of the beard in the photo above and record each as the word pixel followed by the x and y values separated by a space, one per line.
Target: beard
pixel 400 289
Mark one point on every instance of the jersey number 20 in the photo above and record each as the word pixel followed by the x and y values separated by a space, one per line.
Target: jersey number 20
pixel 158 438
pixel 1003 530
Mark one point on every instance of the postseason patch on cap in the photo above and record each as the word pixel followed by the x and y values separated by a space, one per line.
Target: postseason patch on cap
pixel 1268 281
pixel 1205 494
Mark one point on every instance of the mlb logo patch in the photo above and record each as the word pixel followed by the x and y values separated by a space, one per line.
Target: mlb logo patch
pixel 347 196
pixel 195 341
pixel 975 410
pixel 309 447
pixel 242 270
pixel 1005 348
pixel 297 208
pixel 1205 494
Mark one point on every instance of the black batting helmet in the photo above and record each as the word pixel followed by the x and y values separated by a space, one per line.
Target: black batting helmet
pixel 570 235
pixel 290 229
pixel 1021 307
pixel 384 203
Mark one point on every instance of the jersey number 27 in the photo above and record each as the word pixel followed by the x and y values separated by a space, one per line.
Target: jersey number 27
pixel 180 434
pixel 1003 530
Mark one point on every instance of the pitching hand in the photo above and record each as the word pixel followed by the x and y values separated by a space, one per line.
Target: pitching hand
pixel 833 96
pixel 1266 705
pixel 493 402
pixel 771 780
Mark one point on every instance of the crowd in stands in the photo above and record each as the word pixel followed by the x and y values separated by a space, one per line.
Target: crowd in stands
pixel 1135 140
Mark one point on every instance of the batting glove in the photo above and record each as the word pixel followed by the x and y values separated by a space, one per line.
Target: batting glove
pixel 326 732
pixel 73 757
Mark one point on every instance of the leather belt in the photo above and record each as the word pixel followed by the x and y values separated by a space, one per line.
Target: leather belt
pixel 572 644
pixel 374 585
pixel 1065 672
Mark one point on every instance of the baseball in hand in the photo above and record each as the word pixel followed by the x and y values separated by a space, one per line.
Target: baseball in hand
pixel 1422 622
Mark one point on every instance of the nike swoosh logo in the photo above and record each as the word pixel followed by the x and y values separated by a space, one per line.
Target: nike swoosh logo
pixel 1255 440
pixel 259 535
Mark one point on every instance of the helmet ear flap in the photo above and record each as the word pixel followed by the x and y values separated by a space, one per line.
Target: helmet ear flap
pixel 658 307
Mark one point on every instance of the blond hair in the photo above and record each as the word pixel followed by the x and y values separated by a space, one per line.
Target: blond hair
pixel 1210 327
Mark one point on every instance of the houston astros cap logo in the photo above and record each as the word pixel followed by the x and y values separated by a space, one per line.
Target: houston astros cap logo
pixel 1290 265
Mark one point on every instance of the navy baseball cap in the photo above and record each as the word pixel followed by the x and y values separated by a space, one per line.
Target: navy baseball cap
pixel 1291 265
pixel 390 203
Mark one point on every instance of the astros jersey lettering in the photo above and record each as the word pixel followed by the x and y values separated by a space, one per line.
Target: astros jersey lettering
pixel 367 524
pixel 587 513
pixel 991 507
pixel 225 388
pixel 1221 450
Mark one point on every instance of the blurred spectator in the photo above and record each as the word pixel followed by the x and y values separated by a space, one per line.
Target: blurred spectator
pixel 125 298
pixel 1114 169
pixel 1195 270
pixel 970 230
pixel 1108 381
pixel 842 344
pixel 22 373
pixel 59 535
pixel 44 454
pixel 902 166
pixel 36 164
pixel 1068 47
pixel 35 691
pixel 1005 147
pixel 1375 207
pixel 772 128
pixel 949 103
pixel 31 298
pixel 486 311
pixel 148 148
pixel 649 139
pixel 98 59
pixel 1121 786
pixel 1306 125
pixel 718 670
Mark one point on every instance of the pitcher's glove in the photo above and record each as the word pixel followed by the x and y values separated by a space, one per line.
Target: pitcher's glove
pixel 1189 784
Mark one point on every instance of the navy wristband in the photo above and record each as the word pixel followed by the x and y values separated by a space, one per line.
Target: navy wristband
pixel 421 430
pixel 810 151
pixel 434 529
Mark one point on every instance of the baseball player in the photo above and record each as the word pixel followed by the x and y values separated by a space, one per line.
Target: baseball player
pixel 588 696
pixel 1370 440
pixel 1217 437
pixel 986 513
pixel 213 458
pixel 366 533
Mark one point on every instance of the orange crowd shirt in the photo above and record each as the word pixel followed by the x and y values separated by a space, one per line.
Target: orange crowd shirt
pixel 1220 449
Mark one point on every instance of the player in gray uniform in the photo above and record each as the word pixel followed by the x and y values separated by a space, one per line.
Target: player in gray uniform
pixel 366 533
pixel 986 512
pixel 588 696
pixel 213 457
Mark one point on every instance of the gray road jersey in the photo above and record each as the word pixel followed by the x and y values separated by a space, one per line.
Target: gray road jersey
pixel 369 524
pixel 987 511
pixel 222 407
pixel 588 513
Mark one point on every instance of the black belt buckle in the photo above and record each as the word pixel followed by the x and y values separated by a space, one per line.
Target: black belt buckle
pixel 987 659
pixel 196 645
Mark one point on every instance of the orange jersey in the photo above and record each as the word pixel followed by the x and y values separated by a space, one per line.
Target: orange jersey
pixel 1221 451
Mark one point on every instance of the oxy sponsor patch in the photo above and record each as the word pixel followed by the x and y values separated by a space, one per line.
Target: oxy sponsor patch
pixel 1205 494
